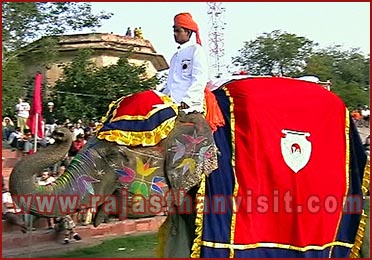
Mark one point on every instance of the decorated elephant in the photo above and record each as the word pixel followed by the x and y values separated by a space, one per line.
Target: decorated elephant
pixel 284 176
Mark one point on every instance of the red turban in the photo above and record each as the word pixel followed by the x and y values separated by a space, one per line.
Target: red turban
pixel 185 20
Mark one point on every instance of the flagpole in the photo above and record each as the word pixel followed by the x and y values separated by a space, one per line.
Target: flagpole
pixel 36 128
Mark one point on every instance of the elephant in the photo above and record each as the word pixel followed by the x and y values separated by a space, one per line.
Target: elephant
pixel 217 185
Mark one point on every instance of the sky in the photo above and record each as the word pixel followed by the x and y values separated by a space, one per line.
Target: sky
pixel 326 23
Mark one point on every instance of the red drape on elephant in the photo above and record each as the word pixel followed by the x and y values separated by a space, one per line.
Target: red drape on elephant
pixel 283 163
pixel 290 159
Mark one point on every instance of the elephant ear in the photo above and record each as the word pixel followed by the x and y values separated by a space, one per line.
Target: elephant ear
pixel 191 152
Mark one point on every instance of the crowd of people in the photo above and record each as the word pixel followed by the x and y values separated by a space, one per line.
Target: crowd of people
pixel 360 116
pixel 18 135
pixel 137 32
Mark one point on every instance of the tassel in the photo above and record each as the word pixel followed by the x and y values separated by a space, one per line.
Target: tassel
pixel 214 115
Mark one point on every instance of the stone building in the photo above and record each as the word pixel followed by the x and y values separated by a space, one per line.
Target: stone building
pixel 107 50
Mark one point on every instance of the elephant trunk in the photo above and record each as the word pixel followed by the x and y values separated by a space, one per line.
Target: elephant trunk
pixel 26 194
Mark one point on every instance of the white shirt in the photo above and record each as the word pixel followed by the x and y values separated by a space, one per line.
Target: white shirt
pixel 23 109
pixel 188 76
pixel 13 135
pixel 365 112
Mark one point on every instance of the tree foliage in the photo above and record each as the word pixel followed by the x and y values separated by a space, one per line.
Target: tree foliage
pixel 289 55
pixel 274 53
pixel 25 22
pixel 347 70
pixel 86 90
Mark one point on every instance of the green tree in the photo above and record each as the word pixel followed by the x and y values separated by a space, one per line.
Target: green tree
pixel 274 53
pixel 348 70
pixel 23 23
pixel 86 90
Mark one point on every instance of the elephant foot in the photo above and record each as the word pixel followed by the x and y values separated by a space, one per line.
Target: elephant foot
pixel 99 217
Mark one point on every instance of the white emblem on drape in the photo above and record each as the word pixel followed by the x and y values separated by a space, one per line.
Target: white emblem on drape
pixel 296 149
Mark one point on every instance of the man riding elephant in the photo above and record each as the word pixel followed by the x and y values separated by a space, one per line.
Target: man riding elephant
pixel 188 72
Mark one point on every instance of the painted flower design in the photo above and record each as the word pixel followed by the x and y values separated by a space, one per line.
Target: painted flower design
pixel 187 164
pixel 194 139
pixel 126 175
pixel 179 150
pixel 144 169
pixel 157 184
pixel 139 188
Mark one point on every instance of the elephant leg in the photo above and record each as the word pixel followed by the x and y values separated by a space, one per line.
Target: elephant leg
pixel 99 216
pixel 177 239
pixel 177 233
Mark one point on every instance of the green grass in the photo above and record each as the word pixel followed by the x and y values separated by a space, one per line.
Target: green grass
pixel 124 247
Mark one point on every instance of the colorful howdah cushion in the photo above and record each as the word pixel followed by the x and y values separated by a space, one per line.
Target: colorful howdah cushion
pixel 143 118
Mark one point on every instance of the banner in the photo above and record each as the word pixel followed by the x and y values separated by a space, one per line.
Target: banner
pixel 35 120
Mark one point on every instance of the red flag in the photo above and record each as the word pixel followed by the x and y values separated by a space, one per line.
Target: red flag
pixel 35 120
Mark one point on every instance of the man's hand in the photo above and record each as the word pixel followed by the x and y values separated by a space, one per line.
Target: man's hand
pixel 183 105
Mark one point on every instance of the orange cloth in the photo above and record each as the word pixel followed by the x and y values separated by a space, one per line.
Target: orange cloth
pixel 214 115
pixel 185 20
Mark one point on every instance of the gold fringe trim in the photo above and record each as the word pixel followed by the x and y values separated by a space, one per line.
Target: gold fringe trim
pixel 274 245
pixel 363 220
pixel 196 247
pixel 347 174
pixel 233 163
pixel 113 103
pixel 145 138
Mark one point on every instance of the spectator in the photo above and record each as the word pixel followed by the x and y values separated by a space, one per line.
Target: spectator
pixel 50 119
pixel 85 216
pixel 23 112
pixel 88 133
pixel 67 122
pixel 135 32
pixel 78 129
pixel 67 223
pixel 355 114
pixel 77 145
pixel 47 179
pixel 27 142
pixel 15 138
pixel 79 121
pixel 129 32
pixel 365 115
pixel 139 33
pixel 8 127
pixel 71 127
